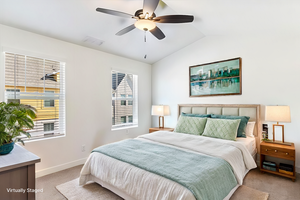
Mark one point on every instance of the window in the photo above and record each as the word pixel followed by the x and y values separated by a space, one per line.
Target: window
pixel 49 103
pixel 130 103
pixel 13 91
pixel 124 86
pixel 40 83
pixel 49 127
pixel 123 102
pixel 123 119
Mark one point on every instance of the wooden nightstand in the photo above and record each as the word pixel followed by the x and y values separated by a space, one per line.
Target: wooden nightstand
pixel 278 151
pixel 160 129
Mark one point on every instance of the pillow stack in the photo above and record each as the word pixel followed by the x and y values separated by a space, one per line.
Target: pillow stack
pixel 218 126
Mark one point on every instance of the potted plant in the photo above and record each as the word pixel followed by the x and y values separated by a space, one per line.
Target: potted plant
pixel 15 118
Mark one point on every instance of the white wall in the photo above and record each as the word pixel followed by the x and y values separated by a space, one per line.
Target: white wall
pixel 88 97
pixel 270 75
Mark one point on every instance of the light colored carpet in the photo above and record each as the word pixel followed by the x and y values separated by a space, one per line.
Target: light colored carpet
pixel 246 193
pixel 72 191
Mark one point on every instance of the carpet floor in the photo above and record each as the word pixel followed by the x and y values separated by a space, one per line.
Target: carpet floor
pixel 93 191
pixel 279 188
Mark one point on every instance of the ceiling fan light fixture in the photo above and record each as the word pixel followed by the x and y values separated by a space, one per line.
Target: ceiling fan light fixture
pixel 144 24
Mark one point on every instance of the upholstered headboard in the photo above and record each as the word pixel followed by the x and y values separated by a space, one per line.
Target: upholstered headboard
pixel 251 110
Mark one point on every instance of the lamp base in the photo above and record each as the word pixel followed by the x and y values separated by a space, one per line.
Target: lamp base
pixel 279 142
pixel 161 118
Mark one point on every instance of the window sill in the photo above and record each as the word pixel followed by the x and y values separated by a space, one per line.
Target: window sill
pixel 124 127
pixel 35 139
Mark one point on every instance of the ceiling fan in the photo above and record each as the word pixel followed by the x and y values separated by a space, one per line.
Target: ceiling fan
pixel 146 19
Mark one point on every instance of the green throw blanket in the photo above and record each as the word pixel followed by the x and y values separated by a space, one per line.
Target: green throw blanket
pixel 208 178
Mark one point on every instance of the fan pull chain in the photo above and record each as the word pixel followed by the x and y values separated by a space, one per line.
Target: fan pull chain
pixel 145 40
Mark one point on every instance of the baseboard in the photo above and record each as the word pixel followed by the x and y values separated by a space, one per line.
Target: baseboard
pixel 298 170
pixel 57 168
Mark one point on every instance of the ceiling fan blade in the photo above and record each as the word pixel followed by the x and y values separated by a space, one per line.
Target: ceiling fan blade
pixel 158 33
pixel 125 30
pixel 174 19
pixel 150 6
pixel 114 12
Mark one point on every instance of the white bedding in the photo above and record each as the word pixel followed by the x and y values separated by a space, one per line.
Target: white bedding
pixel 249 142
pixel 140 184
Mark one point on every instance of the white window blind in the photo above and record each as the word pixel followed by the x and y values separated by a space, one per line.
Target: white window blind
pixel 40 83
pixel 124 100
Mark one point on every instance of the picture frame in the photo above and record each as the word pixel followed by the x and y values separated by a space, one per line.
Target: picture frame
pixel 216 78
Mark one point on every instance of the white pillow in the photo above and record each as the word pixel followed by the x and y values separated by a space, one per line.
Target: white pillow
pixel 250 129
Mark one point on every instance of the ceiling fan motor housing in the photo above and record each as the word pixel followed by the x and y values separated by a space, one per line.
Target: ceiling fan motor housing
pixel 139 13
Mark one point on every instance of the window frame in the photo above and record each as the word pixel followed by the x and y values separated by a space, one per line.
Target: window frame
pixel 61 132
pixel 128 97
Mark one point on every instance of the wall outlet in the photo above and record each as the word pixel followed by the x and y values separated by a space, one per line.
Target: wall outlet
pixel 83 148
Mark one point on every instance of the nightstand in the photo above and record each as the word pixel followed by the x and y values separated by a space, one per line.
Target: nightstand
pixel 277 151
pixel 160 129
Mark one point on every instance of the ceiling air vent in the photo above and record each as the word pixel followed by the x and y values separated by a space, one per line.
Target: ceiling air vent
pixel 92 40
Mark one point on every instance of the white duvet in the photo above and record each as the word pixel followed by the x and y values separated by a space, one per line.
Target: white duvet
pixel 139 184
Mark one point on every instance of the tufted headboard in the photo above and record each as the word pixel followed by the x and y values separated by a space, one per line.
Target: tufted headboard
pixel 251 110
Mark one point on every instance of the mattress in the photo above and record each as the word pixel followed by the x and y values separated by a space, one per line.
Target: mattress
pixel 250 144
pixel 124 179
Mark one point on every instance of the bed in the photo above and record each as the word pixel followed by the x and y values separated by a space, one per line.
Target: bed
pixel 134 182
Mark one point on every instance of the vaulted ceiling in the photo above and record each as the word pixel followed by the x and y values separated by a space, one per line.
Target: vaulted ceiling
pixel 77 21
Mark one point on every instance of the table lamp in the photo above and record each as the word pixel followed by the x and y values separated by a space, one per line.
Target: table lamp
pixel 278 114
pixel 161 111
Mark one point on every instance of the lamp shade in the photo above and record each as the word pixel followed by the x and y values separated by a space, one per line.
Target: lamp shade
pixel 160 110
pixel 278 114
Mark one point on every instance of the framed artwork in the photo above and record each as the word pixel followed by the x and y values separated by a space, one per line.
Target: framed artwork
pixel 216 78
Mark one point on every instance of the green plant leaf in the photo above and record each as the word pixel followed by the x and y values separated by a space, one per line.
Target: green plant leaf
pixel 19 140
pixel 2 127
pixel 14 118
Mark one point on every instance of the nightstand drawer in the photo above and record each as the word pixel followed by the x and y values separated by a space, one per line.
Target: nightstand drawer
pixel 277 152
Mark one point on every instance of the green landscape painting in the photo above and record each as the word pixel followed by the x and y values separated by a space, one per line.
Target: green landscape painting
pixel 217 78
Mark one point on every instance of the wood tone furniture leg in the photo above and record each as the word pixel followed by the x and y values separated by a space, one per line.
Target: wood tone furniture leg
pixel 31 181
pixel 262 158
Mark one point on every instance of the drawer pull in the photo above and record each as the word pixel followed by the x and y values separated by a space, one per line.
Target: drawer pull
pixel 266 149
pixel 275 151
pixel 287 153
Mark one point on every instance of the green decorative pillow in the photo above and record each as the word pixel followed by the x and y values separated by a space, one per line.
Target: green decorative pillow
pixel 242 127
pixel 195 115
pixel 221 128
pixel 190 125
